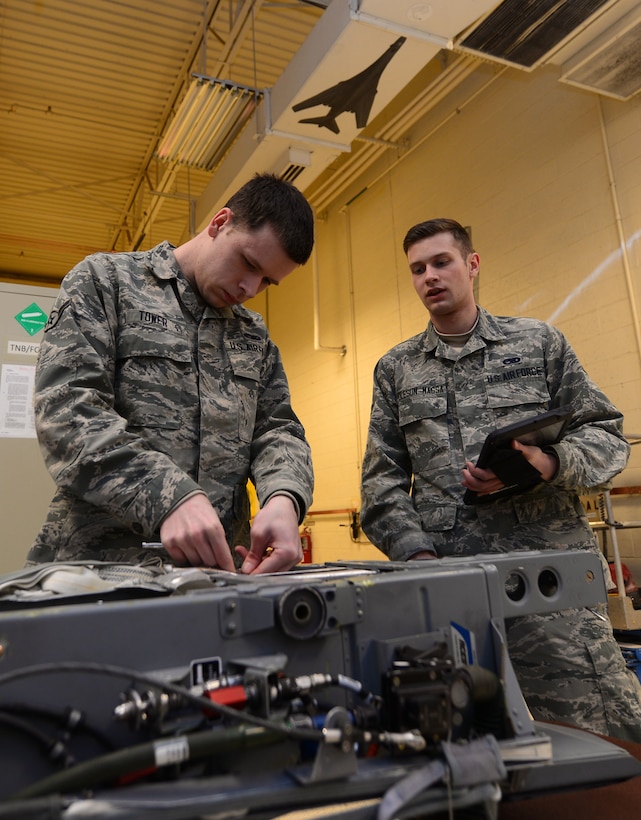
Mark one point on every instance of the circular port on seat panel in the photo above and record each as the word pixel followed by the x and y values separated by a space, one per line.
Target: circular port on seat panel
pixel 515 586
pixel 302 612
pixel 548 582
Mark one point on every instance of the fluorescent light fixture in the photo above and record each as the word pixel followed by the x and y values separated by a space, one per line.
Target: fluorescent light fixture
pixel 211 115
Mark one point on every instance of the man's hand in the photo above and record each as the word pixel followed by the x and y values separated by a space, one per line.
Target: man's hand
pixel 275 541
pixel 424 555
pixel 546 463
pixel 479 480
pixel 192 534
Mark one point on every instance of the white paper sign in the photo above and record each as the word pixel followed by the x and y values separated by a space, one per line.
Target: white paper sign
pixel 16 401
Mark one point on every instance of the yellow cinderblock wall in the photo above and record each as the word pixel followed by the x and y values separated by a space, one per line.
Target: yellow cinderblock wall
pixel 524 165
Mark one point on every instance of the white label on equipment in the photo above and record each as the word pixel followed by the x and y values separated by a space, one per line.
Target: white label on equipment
pixel 168 752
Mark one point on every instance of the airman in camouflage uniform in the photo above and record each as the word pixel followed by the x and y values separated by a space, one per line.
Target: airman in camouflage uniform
pixel 155 390
pixel 436 397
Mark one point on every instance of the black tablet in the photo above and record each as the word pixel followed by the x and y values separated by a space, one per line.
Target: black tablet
pixel 509 465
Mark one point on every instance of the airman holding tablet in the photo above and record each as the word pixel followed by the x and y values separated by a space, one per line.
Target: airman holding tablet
pixel 437 397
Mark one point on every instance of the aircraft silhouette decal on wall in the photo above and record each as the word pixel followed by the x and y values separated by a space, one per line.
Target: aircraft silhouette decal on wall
pixel 355 95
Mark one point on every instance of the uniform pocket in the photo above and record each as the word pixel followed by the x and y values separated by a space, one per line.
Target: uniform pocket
pixel 543 506
pixel 155 381
pixel 246 368
pixel 144 342
pixel 518 399
pixel 436 517
pixel 424 425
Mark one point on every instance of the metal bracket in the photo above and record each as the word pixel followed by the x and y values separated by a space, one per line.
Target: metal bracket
pixel 333 761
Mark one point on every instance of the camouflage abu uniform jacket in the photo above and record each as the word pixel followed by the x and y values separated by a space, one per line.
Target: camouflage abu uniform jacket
pixel 144 395
pixel 432 408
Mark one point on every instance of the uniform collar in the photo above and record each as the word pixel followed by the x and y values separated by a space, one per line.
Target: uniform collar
pixel 487 330
pixel 163 265
pixel 162 262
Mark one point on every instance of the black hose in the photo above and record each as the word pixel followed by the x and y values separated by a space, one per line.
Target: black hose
pixel 150 755
pixel 44 740
pixel 61 721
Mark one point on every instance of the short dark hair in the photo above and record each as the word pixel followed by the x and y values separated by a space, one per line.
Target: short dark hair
pixel 435 226
pixel 268 200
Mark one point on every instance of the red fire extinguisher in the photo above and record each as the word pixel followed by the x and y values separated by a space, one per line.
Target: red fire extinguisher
pixel 306 544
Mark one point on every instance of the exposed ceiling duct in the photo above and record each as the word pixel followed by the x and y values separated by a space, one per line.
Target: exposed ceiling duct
pixel 356 60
